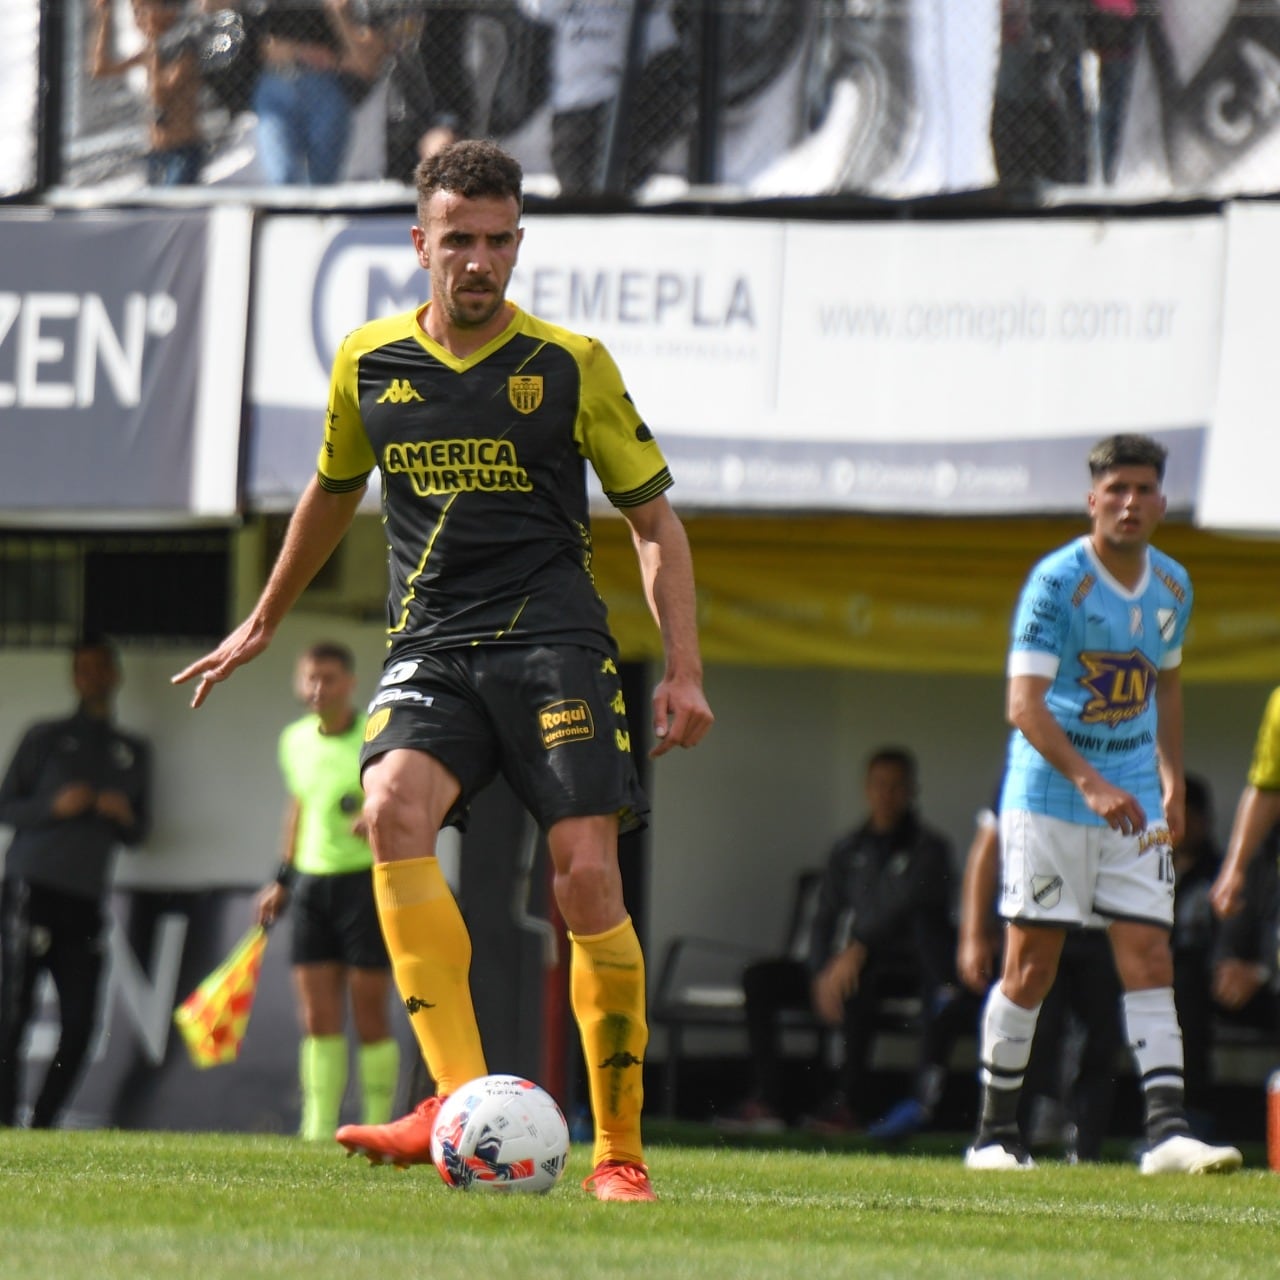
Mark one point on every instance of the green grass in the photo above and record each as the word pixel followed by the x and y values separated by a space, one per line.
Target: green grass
pixel 132 1206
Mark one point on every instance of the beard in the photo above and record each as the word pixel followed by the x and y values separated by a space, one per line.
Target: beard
pixel 474 312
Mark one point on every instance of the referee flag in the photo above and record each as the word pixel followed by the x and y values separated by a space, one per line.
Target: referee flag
pixel 215 1016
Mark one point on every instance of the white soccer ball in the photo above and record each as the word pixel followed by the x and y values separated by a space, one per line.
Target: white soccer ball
pixel 500 1133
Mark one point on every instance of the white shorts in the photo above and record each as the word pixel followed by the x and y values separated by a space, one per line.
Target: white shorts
pixel 1061 873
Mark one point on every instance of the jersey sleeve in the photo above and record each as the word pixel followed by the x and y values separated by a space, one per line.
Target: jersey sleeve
pixel 612 436
pixel 1184 596
pixel 1264 769
pixel 1040 625
pixel 346 457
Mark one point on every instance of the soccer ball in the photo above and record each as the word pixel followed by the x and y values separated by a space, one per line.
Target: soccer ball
pixel 500 1133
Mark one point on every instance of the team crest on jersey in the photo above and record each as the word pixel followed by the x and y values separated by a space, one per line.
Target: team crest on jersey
pixel 1168 621
pixel 525 392
pixel 1121 685
pixel 376 723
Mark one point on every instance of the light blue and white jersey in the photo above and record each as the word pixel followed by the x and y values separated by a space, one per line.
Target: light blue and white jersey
pixel 1102 647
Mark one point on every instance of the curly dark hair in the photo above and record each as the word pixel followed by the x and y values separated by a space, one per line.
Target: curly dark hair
pixel 473 168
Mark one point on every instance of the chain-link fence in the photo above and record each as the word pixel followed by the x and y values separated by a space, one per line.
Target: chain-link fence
pixel 1045 99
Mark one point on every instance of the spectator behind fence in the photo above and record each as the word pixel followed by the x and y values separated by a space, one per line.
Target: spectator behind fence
pixel 1222 971
pixel 325 874
pixel 592 78
pixel 430 98
pixel 175 143
pixel 1062 89
pixel 882 928
pixel 318 61
pixel 75 789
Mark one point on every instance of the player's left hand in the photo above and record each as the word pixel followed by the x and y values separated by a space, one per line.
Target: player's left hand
pixel 681 714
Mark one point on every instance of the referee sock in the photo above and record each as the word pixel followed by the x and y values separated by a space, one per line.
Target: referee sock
pixel 1155 1039
pixel 322 1072
pixel 1005 1050
pixel 606 988
pixel 378 1065
pixel 430 952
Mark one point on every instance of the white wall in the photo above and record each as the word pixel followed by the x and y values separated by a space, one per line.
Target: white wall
pixel 776 782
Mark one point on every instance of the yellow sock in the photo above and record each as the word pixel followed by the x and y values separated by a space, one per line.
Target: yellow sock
pixel 430 952
pixel 606 987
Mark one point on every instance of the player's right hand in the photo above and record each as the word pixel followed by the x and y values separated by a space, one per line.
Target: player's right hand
pixel 248 640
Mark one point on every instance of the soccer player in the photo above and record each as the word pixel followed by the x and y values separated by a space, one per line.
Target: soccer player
pixel 479 417
pixel 1257 813
pixel 1093 801
pixel 337 946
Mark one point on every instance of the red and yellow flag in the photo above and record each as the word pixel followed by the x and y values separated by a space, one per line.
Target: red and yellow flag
pixel 215 1016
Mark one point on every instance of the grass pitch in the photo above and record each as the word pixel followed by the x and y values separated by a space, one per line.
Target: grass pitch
pixel 137 1206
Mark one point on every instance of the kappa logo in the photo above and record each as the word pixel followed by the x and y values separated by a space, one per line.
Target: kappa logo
pixel 621 1059
pixel 1046 890
pixel 414 1005
pixel 399 391
pixel 525 392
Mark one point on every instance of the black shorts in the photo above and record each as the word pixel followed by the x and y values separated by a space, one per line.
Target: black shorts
pixel 551 719
pixel 335 921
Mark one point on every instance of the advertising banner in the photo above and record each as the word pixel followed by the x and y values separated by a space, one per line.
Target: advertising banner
pixel 936 368
pixel 1242 461
pixel 121 362
pixel 688 309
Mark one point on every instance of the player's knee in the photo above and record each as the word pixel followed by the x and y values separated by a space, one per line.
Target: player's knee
pixel 1027 981
pixel 589 893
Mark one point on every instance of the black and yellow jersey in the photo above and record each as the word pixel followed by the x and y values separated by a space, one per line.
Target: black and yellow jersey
pixel 484 493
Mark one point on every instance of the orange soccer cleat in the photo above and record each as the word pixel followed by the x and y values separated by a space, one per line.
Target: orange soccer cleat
pixel 620 1180
pixel 401 1142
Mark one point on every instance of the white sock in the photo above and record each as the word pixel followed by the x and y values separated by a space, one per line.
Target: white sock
pixel 1155 1038
pixel 1005 1048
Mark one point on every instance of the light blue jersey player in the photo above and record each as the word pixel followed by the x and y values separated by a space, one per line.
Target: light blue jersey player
pixel 1102 646
pixel 1093 801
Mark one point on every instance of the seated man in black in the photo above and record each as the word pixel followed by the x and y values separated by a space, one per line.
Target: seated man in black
pixel 882 928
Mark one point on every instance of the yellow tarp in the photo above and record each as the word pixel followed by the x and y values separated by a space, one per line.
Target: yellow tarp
pixel 918 594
